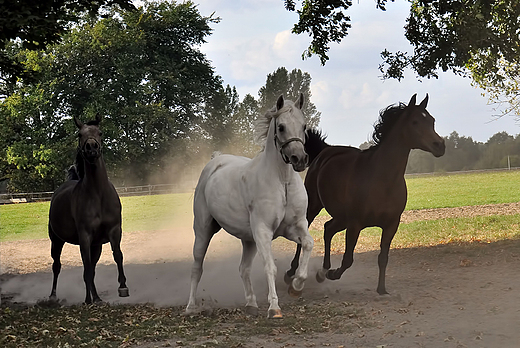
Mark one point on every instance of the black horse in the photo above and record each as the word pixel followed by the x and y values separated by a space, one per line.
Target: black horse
pixel 86 211
pixel 366 188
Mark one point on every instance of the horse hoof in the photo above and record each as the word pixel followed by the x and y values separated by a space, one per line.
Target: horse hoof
pixel 293 292
pixel 274 314
pixel 191 311
pixel 320 276
pixel 382 292
pixel 252 311
pixel 123 292
pixel 332 275
pixel 287 278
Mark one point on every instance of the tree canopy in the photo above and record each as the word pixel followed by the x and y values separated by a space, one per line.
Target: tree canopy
pixel 477 38
pixel 36 24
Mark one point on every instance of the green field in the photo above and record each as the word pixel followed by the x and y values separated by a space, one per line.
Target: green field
pixel 29 221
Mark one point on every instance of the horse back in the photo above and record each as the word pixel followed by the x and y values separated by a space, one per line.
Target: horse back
pixel 351 184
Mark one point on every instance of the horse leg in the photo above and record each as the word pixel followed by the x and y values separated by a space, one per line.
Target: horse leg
pixel 263 238
pixel 88 270
pixel 203 234
pixel 313 210
pixel 95 254
pixel 306 243
pixel 248 254
pixel 56 248
pixel 351 238
pixel 382 260
pixel 331 227
pixel 115 243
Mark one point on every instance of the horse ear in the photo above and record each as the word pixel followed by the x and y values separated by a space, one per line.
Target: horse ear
pixel 279 103
pixel 98 118
pixel 78 123
pixel 413 100
pixel 424 102
pixel 300 101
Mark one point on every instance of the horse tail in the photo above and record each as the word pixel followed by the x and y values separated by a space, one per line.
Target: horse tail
pixel 315 143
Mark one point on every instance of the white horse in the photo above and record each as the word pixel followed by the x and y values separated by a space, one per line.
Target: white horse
pixel 257 200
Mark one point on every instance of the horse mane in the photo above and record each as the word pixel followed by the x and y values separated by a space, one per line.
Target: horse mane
pixel 314 143
pixel 387 119
pixel 77 170
pixel 262 123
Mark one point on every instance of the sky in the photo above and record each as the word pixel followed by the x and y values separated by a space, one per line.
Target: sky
pixel 254 38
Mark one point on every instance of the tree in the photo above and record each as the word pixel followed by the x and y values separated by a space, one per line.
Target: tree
pixel 37 24
pixel 141 70
pixel 219 116
pixel 290 85
pixel 246 115
pixel 471 37
pixel 325 21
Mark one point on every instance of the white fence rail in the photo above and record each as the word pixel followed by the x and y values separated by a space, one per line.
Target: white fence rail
pixel 7 198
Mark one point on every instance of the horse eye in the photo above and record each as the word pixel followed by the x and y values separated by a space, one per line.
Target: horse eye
pixel 281 128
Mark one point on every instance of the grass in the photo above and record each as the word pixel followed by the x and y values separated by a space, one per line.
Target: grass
pixel 29 221
pixel 457 190
pixel 481 229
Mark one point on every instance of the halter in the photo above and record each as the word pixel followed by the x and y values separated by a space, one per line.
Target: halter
pixel 281 145
pixel 81 149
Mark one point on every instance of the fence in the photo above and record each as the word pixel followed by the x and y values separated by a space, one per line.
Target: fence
pixel 7 198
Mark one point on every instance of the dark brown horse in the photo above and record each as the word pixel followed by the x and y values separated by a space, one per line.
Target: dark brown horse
pixel 86 211
pixel 364 188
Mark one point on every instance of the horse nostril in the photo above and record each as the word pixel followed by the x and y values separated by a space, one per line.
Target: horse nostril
pixel 294 159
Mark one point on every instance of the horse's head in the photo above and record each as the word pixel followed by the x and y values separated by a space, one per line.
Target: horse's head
pixel 419 128
pixel 289 133
pixel 89 144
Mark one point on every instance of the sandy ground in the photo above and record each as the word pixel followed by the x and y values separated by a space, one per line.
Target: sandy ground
pixel 445 296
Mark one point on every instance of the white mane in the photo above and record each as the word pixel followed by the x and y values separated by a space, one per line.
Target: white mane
pixel 262 122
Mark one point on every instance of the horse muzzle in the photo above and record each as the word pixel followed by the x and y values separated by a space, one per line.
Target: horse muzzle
pixel 438 148
pixel 298 158
pixel 91 150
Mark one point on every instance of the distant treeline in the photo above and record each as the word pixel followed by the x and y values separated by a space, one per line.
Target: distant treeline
pixel 463 153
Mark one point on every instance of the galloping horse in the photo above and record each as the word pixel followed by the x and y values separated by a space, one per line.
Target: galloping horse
pixel 86 211
pixel 366 188
pixel 257 200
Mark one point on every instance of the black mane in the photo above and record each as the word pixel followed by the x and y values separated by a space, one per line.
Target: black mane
pixel 387 119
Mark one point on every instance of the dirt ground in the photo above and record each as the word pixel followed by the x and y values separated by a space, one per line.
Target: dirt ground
pixel 444 296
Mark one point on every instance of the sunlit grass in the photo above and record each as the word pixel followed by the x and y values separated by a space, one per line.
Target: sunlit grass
pixel 29 221
pixel 483 229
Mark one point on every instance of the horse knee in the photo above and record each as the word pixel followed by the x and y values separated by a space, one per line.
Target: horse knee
pixel 307 244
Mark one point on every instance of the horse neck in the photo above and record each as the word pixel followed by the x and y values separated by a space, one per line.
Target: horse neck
pixel 392 156
pixel 271 156
pixel 95 173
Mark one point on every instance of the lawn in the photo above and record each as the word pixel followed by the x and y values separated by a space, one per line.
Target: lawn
pixel 29 221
